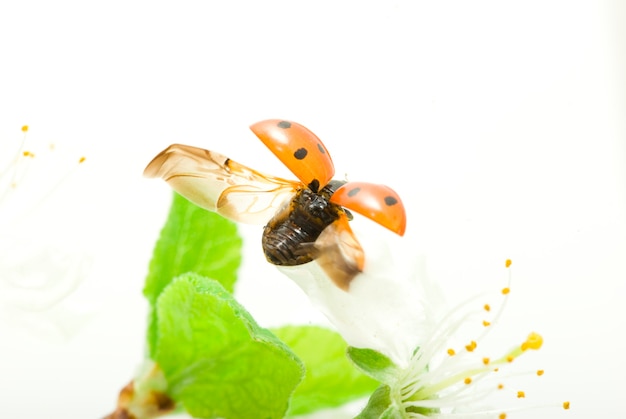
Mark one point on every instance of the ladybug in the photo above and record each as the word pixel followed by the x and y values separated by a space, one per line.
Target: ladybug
pixel 304 220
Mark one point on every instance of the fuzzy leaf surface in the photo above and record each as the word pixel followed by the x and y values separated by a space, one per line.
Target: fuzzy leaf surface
pixel 192 240
pixel 217 361
pixel 374 364
pixel 331 379
pixel 379 406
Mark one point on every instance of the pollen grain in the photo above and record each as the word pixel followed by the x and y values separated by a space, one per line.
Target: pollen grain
pixel 533 341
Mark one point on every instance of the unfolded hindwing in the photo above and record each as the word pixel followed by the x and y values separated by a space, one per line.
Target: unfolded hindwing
pixel 217 183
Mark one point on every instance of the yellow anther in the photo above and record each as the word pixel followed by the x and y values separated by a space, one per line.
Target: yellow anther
pixel 467 380
pixel 510 358
pixel 486 361
pixel 506 290
pixel 500 386
pixel 487 307
pixel 539 373
pixel 508 263
pixel 566 405
pixel 486 323
pixel 521 394
pixel 82 159
pixel 451 352
pixel 24 128
pixel 470 348
pixel 502 416
pixel 533 341
pixel 27 153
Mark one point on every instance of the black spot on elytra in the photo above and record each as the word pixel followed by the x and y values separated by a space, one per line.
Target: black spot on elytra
pixel 320 148
pixel 284 124
pixel 353 191
pixel 390 200
pixel 300 153
pixel 314 185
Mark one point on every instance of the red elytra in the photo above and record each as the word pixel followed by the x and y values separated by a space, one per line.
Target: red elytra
pixel 299 149
pixel 377 202
pixel 304 220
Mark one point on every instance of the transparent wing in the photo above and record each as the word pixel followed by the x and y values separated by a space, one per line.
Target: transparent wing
pixel 339 253
pixel 217 183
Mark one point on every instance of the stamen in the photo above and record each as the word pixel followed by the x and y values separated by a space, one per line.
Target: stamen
pixel 471 346
pixel 16 172
pixel 533 341
pixel 436 382
pixel 501 307
pixel 12 169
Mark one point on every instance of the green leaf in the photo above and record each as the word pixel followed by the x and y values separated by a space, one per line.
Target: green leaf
pixel 380 406
pixel 374 364
pixel 193 240
pixel 331 380
pixel 217 361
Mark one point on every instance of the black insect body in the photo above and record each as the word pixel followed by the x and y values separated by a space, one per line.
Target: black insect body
pixel 289 237
pixel 313 225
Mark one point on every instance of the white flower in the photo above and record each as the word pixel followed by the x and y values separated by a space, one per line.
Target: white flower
pixel 39 266
pixel 444 380
pixel 381 310
pixel 444 366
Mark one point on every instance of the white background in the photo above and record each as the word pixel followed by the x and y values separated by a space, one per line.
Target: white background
pixel 502 127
